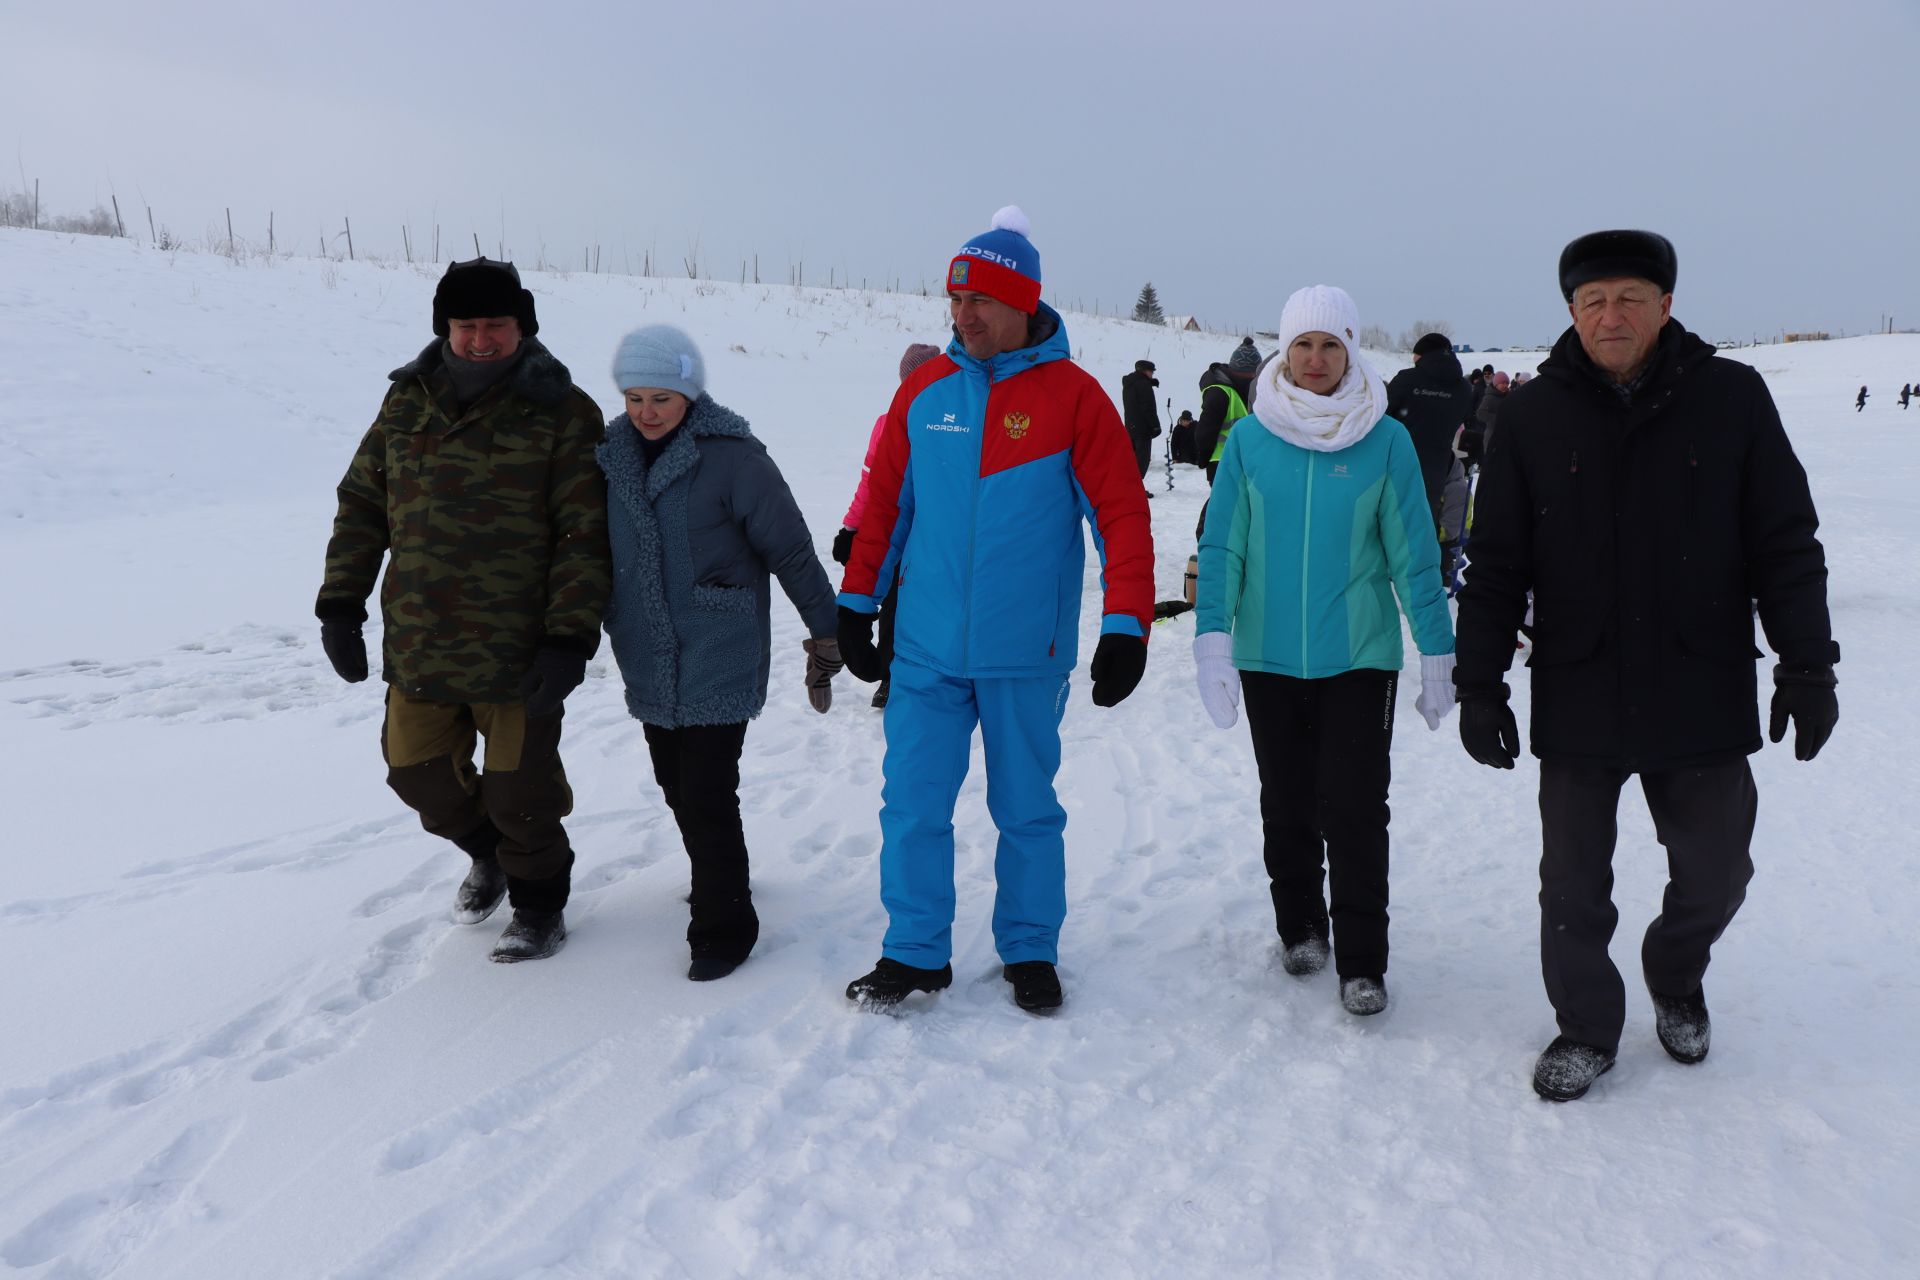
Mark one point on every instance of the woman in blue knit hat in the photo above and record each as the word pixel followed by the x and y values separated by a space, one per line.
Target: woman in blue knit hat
pixel 700 519
pixel 1317 521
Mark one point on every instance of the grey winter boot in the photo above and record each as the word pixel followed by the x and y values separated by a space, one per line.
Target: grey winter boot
pixel 1567 1069
pixel 1304 958
pixel 1681 1022
pixel 533 935
pixel 480 893
pixel 1363 996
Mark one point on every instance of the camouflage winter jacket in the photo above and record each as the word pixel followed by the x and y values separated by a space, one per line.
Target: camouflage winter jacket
pixel 496 519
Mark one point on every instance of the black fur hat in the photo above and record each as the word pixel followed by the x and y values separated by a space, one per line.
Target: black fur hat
pixel 1432 342
pixel 482 287
pixel 1602 255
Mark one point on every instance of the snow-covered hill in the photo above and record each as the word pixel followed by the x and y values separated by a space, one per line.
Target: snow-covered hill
pixel 242 1040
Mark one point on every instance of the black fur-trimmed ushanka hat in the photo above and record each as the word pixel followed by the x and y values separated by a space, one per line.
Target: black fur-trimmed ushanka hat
pixel 1604 255
pixel 482 287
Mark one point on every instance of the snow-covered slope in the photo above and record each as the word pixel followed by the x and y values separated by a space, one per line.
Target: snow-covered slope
pixel 242 1040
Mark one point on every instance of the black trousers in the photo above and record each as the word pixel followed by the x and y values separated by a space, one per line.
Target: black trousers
pixel 889 609
pixel 1324 751
pixel 1704 817
pixel 698 769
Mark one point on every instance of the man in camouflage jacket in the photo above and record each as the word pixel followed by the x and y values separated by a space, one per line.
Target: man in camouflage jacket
pixel 477 485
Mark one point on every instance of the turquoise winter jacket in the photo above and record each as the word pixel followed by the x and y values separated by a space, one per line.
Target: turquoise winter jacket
pixel 1303 552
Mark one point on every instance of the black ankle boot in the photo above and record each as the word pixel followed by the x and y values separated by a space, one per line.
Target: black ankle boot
pixel 533 935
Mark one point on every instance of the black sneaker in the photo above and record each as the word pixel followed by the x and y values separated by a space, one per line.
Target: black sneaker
pixel 1567 1069
pixel 480 893
pixel 1304 958
pixel 891 982
pixel 1681 1022
pixel 533 935
pixel 880 697
pixel 1363 996
pixel 1036 985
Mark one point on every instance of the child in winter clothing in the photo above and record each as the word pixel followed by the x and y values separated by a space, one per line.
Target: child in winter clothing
pixel 699 518
pixel 1319 518
pixel 915 355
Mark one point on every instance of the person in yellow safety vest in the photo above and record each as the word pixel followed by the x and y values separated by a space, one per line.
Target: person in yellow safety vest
pixel 1226 396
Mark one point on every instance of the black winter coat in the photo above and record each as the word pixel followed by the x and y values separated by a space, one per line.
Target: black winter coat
pixel 1432 400
pixel 1214 413
pixel 1646 532
pixel 1137 407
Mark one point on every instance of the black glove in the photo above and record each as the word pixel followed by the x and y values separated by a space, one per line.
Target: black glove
pixel 347 650
pixel 555 673
pixel 1487 728
pixel 843 546
pixel 1118 663
pixel 1805 694
pixel 856 644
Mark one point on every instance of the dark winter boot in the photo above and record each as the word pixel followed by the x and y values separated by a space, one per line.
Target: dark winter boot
pixel 1363 996
pixel 486 884
pixel 1567 1069
pixel 480 893
pixel 880 697
pixel 1036 986
pixel 1681 1022
pixel 891 982
pixel 1304 958
pixel 533 935
pixel 721 938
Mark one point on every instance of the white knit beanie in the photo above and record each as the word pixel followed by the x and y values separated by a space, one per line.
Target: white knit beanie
pixel 1321 308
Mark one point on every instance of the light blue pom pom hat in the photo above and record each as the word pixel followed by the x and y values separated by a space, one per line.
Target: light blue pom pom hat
pixel 659 355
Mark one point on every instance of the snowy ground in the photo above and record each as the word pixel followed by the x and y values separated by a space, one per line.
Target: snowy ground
pixel 243 1040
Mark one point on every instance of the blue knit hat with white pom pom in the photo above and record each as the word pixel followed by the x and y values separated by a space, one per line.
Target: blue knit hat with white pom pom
pixel 1001 263
pixel 659 355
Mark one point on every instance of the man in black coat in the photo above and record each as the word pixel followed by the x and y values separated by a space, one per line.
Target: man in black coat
pixel 1645 492
pixel 1139 411
pixel 1431 401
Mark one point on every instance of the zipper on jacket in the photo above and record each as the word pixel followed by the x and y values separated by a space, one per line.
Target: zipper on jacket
pixel 1693 484
pixel 1306 544
pixel 973 527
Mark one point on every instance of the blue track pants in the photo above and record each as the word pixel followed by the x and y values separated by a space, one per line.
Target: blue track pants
pixel 930 722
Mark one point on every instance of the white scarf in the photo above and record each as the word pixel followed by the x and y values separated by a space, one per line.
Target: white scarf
pixel 1324 424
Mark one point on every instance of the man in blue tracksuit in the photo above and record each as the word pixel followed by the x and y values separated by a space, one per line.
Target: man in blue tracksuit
pixel 991 457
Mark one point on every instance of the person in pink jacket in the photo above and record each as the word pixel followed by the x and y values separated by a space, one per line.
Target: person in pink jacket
pixel 916 355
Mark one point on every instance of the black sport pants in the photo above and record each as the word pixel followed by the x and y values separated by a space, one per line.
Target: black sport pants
pixel 1324 751
pixel 698 769
pixel 1704 817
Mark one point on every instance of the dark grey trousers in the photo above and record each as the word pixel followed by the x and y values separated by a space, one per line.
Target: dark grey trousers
pixel 1704 817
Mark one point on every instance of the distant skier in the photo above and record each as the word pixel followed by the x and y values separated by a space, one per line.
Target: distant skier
pixel 476 486
pixel 1860 402
pixel 1906 393
pixel 1643 640
pixel 1140 412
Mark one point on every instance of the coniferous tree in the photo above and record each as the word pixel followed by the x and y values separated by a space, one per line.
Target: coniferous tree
pixel 1147 307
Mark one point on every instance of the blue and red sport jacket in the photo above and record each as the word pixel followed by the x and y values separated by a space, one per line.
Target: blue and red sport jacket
pixel 984 472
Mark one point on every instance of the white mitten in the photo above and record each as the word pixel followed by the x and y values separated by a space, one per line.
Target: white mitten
pixel 1436 688
pixel 1219 683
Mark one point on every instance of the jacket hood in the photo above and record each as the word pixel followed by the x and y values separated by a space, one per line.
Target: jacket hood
pixel 1046 342
pixel 537 375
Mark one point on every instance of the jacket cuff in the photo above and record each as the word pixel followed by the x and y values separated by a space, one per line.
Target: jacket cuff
pixel 1495 692
pixel 1124 624
pixel 582 647
pixel 338 609
pixel 1820 677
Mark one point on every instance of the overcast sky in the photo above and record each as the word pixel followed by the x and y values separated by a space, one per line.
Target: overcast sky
pixel 1431 158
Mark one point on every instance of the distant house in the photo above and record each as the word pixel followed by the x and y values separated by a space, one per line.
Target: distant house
pixel 1805 337
pixel 1185 324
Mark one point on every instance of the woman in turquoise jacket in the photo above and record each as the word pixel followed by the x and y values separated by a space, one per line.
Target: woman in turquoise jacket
pixel 1318 520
